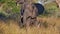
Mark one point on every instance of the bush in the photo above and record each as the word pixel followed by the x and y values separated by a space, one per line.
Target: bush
pixel 9 9
pixel 51 9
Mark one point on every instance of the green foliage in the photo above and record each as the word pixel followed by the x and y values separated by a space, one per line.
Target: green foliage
pixel 2 1
pixel 51 8
pixel 11 4
pixel 4 14
pixel 16 9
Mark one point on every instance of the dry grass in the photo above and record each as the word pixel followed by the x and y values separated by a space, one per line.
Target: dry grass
pixel 11 27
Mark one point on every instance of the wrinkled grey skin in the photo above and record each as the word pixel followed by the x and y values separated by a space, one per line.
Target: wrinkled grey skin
pixel 30 13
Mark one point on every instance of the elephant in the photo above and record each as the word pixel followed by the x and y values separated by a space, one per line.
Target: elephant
pixel 29 12
pixel 40 11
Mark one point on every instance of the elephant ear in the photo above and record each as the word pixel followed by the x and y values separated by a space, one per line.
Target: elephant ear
pixel 40 8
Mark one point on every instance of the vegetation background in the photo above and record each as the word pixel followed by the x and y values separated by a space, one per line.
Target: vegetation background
pixel 9 17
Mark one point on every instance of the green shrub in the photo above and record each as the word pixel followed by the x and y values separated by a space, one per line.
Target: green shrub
pixel 51 8
pixel 2 1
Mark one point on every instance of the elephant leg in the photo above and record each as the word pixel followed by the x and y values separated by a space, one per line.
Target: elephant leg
pixel 34 21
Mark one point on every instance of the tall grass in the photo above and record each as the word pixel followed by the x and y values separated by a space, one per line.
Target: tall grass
pixel 12 27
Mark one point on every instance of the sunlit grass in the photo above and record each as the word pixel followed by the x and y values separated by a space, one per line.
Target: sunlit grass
pixel 11 27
